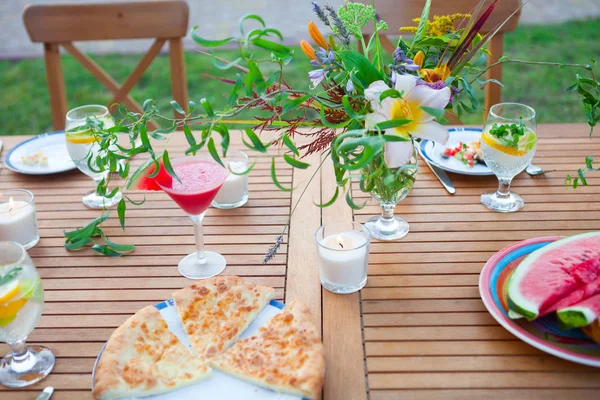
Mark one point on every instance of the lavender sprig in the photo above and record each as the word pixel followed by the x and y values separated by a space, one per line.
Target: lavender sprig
pixel 273 250
pixel 338 26
pixel 320 13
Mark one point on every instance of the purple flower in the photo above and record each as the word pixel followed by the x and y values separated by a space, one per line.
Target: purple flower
pixel 316 76
pixel 349 86
pixel 402 64
pixel 325 57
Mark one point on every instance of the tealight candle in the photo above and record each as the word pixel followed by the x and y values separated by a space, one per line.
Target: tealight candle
pixel 18 222
pixel 343 257
pixel 234 192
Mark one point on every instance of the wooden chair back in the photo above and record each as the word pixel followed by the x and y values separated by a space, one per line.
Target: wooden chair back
pixel 398 13
pixel 58 25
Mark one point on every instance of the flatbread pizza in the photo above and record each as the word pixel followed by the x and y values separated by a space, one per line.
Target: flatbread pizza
pixel 143 357
pixel 285 355
pixel 215 312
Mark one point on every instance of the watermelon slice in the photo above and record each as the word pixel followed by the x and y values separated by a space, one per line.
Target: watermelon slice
pixel 578 295
pixel 580 314
pixel 544 276
pixel 141 180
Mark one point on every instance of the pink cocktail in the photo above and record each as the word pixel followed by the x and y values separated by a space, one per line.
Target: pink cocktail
pixel 200 179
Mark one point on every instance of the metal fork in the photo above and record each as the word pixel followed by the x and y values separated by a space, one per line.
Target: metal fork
pixel 534 170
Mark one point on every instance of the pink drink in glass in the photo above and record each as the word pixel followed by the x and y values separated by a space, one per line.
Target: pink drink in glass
pixel 200 178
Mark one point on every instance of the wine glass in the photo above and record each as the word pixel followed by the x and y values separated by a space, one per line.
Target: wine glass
pixel 200 178
pixel 21 303
pixel 388 186
pixel 508 145
pixel 82 145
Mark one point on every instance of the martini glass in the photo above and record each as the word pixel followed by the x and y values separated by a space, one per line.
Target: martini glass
pixel 200 179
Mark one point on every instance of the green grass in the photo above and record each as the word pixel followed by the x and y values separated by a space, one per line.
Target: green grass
pixel 25 108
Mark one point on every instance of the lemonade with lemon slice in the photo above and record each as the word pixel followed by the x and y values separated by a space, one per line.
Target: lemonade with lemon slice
pixel 81 145
pixel 21 302
pixel 508 148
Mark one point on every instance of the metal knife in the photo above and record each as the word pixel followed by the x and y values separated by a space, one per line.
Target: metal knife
pixel 441 175
pixel 46 393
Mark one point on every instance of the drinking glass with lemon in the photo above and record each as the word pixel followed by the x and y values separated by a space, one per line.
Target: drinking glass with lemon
pixel 21 304
pixel 83 148
pixel 508 145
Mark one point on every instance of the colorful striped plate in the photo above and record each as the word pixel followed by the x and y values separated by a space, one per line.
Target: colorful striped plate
pixel 542 333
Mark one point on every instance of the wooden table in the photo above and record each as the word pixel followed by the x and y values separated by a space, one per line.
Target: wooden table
pixel 417 331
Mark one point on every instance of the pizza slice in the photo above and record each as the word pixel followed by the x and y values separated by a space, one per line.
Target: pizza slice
pixel 285 355
pixel 215 312
pixel 143 357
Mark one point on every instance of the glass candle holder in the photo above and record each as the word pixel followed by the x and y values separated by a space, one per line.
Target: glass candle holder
pixel 343 256
pixel 18 222
pixel 234 192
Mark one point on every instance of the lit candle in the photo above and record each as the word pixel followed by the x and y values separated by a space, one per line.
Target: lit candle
pixel 234 192
pixel 343 260
pixel 18 222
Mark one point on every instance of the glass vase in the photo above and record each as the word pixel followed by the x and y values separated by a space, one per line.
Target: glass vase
pixel 388 186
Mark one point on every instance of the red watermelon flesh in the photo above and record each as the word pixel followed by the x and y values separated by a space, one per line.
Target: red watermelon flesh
pixel 142 181
pixel 578 295
pixel 580 314
pixel 587 271
pixel 544 277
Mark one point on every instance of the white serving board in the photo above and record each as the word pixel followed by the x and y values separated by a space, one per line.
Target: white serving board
pixel 218 386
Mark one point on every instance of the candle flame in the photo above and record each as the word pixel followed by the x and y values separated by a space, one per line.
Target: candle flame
pixel 340 241
pixel 11 204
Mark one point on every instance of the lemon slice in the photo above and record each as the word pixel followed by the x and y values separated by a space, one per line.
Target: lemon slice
pixel 531 141
pixel 8 320
pixel 81 137
pixel 9 290
pixel 489 140
pixel 11 309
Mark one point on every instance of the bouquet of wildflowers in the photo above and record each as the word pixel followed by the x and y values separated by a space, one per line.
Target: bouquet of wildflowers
pixel 363 108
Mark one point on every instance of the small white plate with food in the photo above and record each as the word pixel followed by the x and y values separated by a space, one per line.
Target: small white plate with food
pixel 461 155
pixel 41 155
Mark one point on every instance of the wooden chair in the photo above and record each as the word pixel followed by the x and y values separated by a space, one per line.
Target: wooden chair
pixel 399 13
pixel 58 25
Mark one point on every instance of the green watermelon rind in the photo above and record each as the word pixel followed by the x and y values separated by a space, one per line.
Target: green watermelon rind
pixel 575 317
pixel 140 174
pixel 516 302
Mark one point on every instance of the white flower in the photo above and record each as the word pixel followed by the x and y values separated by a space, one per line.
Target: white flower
pixel 408 107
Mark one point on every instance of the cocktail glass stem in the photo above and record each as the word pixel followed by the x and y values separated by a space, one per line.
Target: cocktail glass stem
pixel 199 236
pixel 387 226
pixel 503 187
pixel 201 264
pixel 94 200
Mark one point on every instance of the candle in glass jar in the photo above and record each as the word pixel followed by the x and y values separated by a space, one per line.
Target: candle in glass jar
pixel 18 223
pixel 234 192
pixel 343 259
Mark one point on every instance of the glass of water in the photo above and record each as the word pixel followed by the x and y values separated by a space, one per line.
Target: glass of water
pixel 21 304
pixel 82 145
pixel 508 145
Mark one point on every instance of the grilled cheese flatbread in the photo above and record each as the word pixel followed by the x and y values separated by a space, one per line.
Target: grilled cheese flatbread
pixel 285 355
pixel 143 357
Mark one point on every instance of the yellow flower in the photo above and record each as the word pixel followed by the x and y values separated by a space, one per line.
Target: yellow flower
pixel 439 73
pixel 441 24
pixel 316 35
pixel 308 49
pixel 419 58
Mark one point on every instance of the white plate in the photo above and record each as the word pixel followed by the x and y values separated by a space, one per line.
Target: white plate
pixel 434 152
pixel 219 385
pixel 54 146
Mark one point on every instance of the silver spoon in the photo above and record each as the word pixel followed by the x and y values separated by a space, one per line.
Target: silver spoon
pixel 46 393
pixel 535 170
